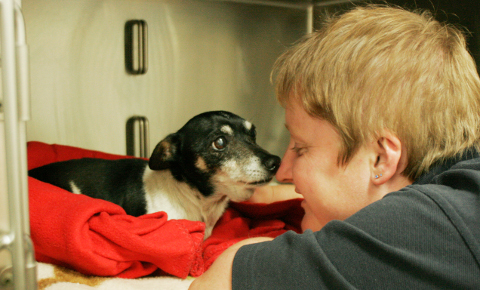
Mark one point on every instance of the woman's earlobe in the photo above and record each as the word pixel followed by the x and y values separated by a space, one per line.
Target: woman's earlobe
pixel 379 178
pixel 388 157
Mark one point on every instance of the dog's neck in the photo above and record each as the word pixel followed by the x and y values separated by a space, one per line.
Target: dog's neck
pixel 180 200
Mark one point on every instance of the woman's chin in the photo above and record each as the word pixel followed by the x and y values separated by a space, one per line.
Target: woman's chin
pixel 310 222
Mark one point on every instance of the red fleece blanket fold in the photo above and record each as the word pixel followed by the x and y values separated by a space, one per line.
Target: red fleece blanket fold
pixel 97 237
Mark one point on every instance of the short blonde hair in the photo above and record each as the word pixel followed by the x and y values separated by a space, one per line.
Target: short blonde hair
pixel 377 67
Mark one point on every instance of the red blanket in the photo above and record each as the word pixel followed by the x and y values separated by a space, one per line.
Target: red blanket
pixel 96 237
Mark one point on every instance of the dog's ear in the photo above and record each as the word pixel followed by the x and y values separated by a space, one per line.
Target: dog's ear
pixel 164 153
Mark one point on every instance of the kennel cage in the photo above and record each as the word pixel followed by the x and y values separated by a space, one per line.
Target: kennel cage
pixel 201 54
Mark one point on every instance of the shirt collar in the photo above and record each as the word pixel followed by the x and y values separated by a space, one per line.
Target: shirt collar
pixel 445 165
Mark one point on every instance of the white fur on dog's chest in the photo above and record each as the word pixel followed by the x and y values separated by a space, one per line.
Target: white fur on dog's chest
pixel 161 202
pixel 180 201
pixel 164 193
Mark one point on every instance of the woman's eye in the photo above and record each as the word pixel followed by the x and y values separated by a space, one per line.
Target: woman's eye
pixel 219 144
pixel 298 150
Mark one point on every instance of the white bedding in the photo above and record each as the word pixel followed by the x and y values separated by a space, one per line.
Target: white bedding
pixel 51 277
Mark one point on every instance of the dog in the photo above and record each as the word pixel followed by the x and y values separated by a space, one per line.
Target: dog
pixel 192 174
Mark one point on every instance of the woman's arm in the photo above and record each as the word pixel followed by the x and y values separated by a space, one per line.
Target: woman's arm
pixel 273 193
pixel 219 275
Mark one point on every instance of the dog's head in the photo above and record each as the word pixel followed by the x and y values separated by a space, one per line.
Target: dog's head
pixel 216 152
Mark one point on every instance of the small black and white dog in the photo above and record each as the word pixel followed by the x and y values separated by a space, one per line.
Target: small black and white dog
pixel 192 174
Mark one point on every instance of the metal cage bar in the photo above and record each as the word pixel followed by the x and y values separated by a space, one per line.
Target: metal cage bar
pixel 21 274
pixel 138 137
pixel 136 47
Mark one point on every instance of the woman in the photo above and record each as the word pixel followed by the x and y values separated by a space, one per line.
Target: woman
pixel 383 109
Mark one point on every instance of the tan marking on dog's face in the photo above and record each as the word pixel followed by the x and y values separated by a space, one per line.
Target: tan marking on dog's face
pixel 201 164
pixel 227 130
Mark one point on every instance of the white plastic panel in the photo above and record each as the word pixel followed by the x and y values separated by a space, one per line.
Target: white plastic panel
pixel 203 55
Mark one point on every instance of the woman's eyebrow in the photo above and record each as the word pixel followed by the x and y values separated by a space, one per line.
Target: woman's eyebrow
pixel 294 134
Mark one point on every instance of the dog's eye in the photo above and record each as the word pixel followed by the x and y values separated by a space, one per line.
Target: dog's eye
pixel 219 144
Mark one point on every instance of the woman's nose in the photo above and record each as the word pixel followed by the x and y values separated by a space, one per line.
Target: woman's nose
pixel 284 173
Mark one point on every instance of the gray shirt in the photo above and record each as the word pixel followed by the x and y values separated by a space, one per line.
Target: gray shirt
pixel 425 236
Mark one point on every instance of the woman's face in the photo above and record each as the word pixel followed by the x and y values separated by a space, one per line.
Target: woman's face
pixel 331 190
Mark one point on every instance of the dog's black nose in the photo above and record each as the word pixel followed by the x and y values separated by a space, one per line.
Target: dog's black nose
pixel 272 163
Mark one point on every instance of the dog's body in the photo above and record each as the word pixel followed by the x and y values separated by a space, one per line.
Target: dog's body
pixel 192 174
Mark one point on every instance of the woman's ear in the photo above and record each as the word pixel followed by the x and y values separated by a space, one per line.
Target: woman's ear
pixel 389 160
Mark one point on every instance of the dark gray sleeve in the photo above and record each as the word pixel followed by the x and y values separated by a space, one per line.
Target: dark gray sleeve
pixel 291 261
pixel 404 241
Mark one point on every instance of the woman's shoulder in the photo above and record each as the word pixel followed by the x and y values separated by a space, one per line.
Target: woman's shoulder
pixel 427 217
